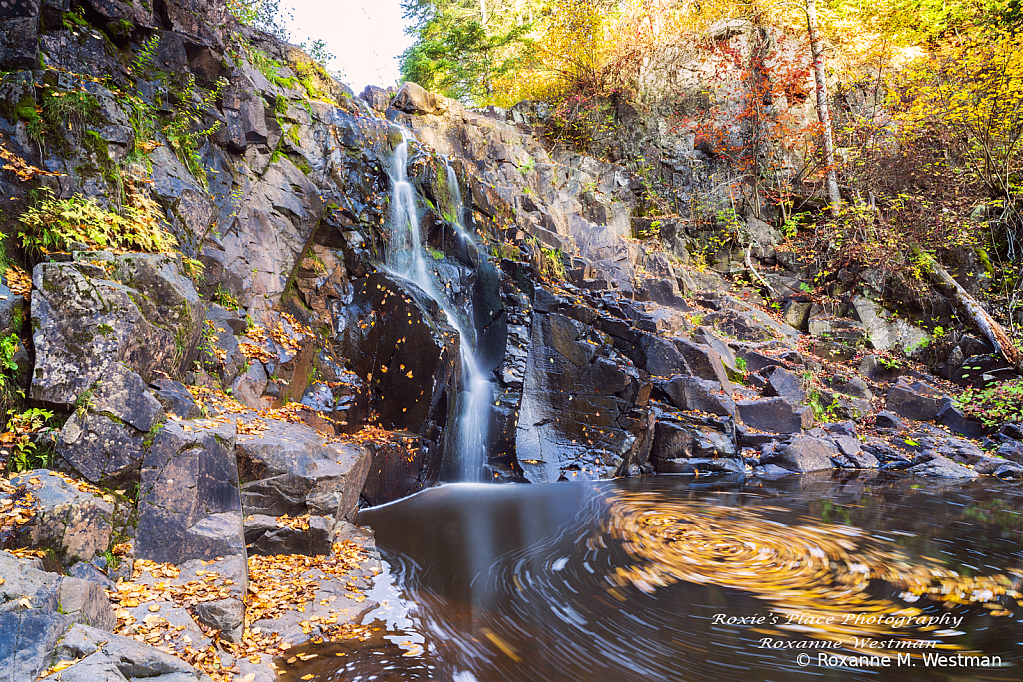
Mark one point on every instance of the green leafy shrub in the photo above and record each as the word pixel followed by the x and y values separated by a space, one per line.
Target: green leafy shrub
pixel 998 403
pixel 24 453
pixel 551 265
pixel 505 251
pixel 225 298
pixel 822 410
pixel 187 129
pixel 266 65
pixel 53 223
pixel 57 112
pixel 9 346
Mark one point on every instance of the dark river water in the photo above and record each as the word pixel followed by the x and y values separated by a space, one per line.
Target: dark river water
pixel 877 578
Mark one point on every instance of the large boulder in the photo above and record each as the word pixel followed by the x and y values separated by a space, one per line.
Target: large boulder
pixel 113 658
pixel 399 466
pixel 884 331
pixel 686 444
pixel 774 415
pixel 86 321
pixel 781 383
pixel 691 393
pixel 806 453
pixel 101 448
pixel 36 609
pixel 104 438
pixel 750 324
pixel 704 362
pixel 291 469
pixel 75 522
pixel 189 503
pixel 659 356
pixel 916 400
pixel 938 466
pixel 414 99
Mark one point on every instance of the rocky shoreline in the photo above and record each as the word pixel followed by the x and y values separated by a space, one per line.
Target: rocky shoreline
pixel 220 618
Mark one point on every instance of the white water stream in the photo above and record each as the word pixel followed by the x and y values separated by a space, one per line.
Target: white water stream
pixel 406 258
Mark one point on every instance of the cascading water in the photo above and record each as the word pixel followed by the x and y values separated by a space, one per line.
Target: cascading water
pixel 456 200
pixel 406 259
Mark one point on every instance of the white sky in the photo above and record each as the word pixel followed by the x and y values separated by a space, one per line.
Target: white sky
pixel 366 36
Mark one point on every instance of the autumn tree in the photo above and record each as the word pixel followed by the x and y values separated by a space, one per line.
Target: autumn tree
pixel 462 46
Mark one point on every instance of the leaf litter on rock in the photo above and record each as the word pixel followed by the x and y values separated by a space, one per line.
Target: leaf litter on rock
pixel 277 584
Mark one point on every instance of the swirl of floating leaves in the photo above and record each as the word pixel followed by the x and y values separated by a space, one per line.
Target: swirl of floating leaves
pixel 814 575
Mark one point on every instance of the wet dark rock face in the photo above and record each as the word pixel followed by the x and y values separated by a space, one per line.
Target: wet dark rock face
pixel 576 391
pixel 397 468
pixel 406 353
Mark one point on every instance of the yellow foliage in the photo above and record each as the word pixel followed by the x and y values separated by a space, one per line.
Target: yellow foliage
pixel 590 47
pixel 975 88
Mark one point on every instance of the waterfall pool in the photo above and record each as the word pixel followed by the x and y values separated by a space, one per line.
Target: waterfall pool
pixel 829 577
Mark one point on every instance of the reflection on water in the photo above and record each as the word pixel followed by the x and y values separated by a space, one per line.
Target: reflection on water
pixel 674 579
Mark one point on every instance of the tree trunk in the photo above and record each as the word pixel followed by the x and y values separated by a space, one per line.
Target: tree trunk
pixel 823 112
pixel 483 13
pixel 968 306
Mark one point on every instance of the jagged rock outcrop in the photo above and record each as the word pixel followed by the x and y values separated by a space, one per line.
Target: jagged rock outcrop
pixel 189 504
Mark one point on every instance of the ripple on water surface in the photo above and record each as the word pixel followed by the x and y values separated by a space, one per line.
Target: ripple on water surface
pixel 673 579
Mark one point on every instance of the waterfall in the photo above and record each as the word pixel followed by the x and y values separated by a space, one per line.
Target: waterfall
pixel 456 201
pixel 406 259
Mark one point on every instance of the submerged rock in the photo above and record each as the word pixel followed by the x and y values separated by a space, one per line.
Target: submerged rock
pixel 937 466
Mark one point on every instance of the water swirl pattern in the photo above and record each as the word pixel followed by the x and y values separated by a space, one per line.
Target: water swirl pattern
pixel 817 577
pixel 671 579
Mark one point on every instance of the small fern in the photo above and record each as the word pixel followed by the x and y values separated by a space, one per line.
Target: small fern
pixel 54 223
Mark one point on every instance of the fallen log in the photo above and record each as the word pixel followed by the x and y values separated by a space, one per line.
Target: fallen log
pixel 968 306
